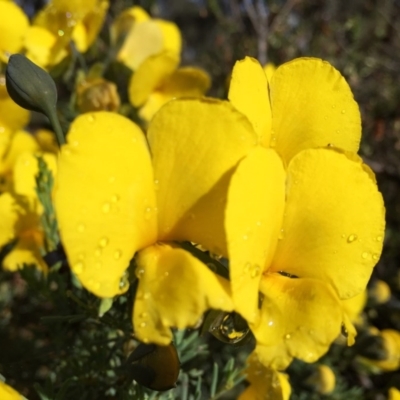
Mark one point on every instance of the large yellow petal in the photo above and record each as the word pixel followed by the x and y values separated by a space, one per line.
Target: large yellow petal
pixel 148 38
pixel 150 76
pixel 7 392
pixel 312 106
pixel 248 92
pixel 299 318
pixel 175 289
pixel 13 26
pixel 394 394
pixel 12 116
pixel 196 145
pixel 184 82
pixel 334 221
pixel 104 199
pixel 253 215
pixel 265 383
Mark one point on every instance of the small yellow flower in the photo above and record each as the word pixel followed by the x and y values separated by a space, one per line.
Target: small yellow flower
pixel 323 380
pixel 380 292
pixel 265 383
pixel 80 21
pixel 97 95
pixel 8 393
pixel 391 346
pixel 158 80
pixel 144 37
pixel 113 200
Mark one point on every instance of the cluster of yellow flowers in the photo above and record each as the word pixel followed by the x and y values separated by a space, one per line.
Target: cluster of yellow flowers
pixel 269 179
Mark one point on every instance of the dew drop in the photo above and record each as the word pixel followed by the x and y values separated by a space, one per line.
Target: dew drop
pixel 143 315
pixel 343 111
pixel 81 256
pixel 91 118
pixel 98 252
pixel 117 254
pixel 103 242
pixel 375 256
pixel 81 228
pixel 247 268
pixel 255 271
pixel 379 238
pixel 106 207
pixel 156 183
pixel 78 268
pixel 245 237
pixel 75 143
pixel 365 255
pixel 143 324
pixel 288 336
pixel 281 234
pixel 60 32
pixel 331 145
pixel 166 274
pixel 115 198
pixel 273 141
pixel 145 340
pixel 351 238
pixel 147 213
pixel 140 272
pixel 147 295
pixel 258 223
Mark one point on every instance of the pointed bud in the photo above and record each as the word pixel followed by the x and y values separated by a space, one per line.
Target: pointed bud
pixel 30 86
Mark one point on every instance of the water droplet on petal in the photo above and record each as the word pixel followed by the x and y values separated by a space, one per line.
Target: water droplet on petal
pixel 281 234
pixel 91 118
pixel 365 255
pixel 81 228
pixel 147 295
pixel 288 336
pixel 117 254
pixel 60 32
pixel 245 237
pixel 375 257
pixel 247 268
pixel 147 213
pixel 351 238
pixel 115 198
pixel 78 268
pixel 343 111
pixel 143 324
pixel 379 238
pixel 255 271
pixel 103 242
pixel 143 315
pixel 98 252
pixel 106 207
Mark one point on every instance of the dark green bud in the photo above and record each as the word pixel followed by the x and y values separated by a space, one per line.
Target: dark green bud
pixel 31 87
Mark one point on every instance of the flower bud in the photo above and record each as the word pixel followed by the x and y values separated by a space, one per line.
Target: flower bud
pixel 30 86
pixel 323 380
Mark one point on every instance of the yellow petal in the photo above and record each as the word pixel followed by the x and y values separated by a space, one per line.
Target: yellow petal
pixel 258 184
pixel 394 394
pixel 13 26
pixel 269 70
pixel 149 38
pixel 75 6
pixel 12 116
pixel 265 383
pixel 354 306
pixel 104 199
pixel 175 289
pixel 391 340
pixel 299 317
pixel 248 92
pixel 21 142
pixel 25 172
pixel 8 218
pixel 212 138
pixel 47 140
pixel 25 252
pixel 184 82
pixel 150 76
pixel 125 22
pixel 7 392
pixel 334 221
pixel 38 44
pixel 322 380
pixel 312 106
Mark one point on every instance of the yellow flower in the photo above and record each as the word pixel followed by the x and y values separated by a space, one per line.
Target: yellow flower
pixel 380 292
pixel 8 393
pixel 13 27
pixel 80 21
pixel 323 380
pixel 354 306
pixel 394 394
pixel 158 80
pixel 265 383
pixel 308 238
pixel 144 37
pixel 114 201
